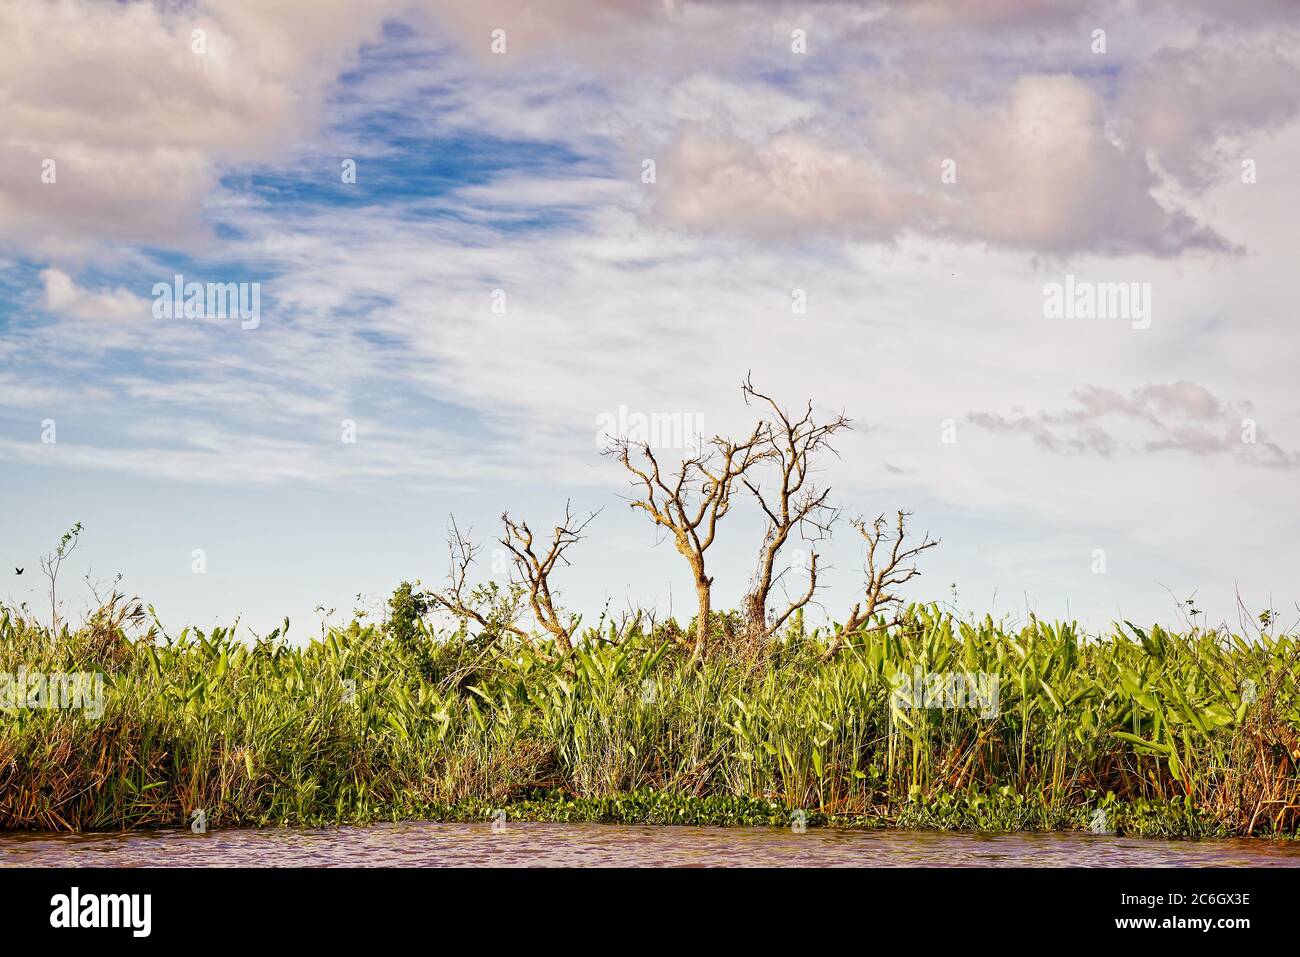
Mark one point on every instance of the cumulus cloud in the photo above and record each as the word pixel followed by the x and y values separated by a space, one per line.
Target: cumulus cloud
pixel 118 117
pixel 63 295
pixel 530 28
pixel 1184 103
pixel 990 13
pixel 1034 171
pixel 1052 154
pixel 791 184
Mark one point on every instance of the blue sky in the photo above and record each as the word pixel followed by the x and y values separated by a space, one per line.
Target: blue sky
pixel 522 173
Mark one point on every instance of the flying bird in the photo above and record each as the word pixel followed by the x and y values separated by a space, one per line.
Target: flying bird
pixel 18 571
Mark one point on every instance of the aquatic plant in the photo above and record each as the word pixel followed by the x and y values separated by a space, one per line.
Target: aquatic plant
pixel 1170 733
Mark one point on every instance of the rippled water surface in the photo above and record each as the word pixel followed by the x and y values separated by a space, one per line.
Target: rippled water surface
pixel 537 845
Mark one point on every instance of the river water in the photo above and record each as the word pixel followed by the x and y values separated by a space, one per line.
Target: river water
pixel 418 844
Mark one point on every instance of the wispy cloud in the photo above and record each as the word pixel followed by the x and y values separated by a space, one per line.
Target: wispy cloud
pixel 1167 417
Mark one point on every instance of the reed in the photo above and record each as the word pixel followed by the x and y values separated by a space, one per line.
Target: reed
pixel 1171 733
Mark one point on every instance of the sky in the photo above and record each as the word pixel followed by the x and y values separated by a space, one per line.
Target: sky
pixel 481 232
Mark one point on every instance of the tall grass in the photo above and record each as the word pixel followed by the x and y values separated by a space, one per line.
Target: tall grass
pixel 1201 729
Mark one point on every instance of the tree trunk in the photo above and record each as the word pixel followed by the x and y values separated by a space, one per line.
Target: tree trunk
pixel 756 603
pixel 702 588
pixel 562 639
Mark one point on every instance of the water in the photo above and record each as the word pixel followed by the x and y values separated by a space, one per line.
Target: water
pixel 418 844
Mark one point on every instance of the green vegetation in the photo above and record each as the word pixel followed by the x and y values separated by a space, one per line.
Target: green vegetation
pixel 1166 734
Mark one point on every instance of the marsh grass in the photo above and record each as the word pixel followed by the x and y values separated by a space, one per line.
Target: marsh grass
pixel 1170 734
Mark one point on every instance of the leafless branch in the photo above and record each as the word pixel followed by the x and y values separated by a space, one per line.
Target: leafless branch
pixel 535 569
pixel 690 502
pixel 886 569
pixel 794 503
pixel 456 598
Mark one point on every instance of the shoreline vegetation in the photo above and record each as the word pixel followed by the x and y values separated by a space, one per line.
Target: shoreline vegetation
pixel 480 697
pixel 1143 732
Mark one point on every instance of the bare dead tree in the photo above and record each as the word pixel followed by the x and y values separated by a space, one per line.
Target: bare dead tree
pixel 534 570
pixel 689 503
pixel 463 603
pixel 794 503
pixel 885 571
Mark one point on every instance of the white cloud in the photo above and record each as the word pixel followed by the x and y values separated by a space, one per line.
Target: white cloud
pixel 1197 109
pixel 848 141
pixel 137 123
pixel 63 295
pixel 1035 171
